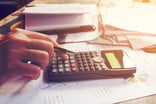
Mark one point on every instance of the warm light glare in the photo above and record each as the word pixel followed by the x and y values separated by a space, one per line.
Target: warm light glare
pixel 133 16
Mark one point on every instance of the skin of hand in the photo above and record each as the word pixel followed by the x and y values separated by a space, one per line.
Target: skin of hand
pixel 24 46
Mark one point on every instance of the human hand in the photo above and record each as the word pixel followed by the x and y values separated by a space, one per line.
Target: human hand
pixel 23 47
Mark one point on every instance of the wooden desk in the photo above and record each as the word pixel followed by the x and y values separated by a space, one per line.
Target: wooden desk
pixel 144 100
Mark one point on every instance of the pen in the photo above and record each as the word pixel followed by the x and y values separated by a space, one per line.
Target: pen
pixel 76 29
pixel 150 49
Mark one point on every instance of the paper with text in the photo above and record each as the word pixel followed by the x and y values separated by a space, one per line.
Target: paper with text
pixel 103 91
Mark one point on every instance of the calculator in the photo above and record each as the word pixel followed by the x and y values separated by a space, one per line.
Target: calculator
pixel 90 65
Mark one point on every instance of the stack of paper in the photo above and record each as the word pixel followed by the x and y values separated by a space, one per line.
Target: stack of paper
pixel 57 17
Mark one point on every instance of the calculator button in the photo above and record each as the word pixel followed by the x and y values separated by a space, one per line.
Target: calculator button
pixel 81 69
pixel 60 66
pixel 90 63
pixel 72 61
pixel 78 56
pixel 104 66
pixel 54 58
pixel 53 62
pixel 92 68
pixel 66 65
pixel 74 69
pixel 71 57
pixel 98 67
pixel 87 68
pixel 59 58
pixel 98 59
pixel 60 62
pixel 54 70
pixel 66 61
pixel 80 65
pixel 67 69
pixel 61 69
pixel 73 65
pixel 54 66
pixel 79 59
pixel 85 65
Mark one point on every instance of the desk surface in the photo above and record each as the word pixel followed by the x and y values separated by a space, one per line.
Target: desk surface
pixel 144 100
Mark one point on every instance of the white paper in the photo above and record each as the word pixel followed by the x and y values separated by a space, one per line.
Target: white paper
pixel 103 91
pixel 55 9
pixel 128 18
pixel 82 36
pixel 140 41
pixel 39 18
pixel 46 19
pixel 55 22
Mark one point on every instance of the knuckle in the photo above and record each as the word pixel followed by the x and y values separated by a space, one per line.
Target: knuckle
pixel 14 42
pixel 45 58
pixel 50 46
pixel 45 55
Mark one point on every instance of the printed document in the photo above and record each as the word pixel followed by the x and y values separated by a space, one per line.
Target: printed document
pixel 103 91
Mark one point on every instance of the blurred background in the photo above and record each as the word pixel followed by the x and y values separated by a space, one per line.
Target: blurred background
pixel 9 6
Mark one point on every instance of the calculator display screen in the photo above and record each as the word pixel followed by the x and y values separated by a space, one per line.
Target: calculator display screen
pixel 112 60
pixel 117 59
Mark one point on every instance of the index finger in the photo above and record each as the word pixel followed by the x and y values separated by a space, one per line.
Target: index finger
pixel 37 35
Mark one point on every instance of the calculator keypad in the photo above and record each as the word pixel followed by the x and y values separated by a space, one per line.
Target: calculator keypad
pixel 78 62
pixel 89 65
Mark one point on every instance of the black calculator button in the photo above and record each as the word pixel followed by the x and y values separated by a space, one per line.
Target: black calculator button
pixel 104 66
pixel 81 69
pixel 85 62
pixel 92 68
pixel 87 68
pixel 98 67
pixel 80 65
pixel 79 59
pixel 85 65
pixel 90 63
